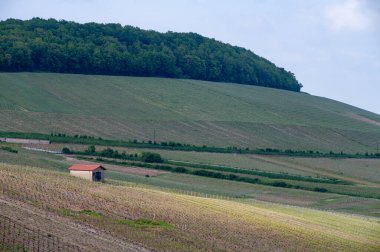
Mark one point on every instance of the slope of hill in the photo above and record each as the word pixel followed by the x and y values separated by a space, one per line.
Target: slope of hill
pixel 68 47
pixel 139 217
pixel 186 111
pixel 357 194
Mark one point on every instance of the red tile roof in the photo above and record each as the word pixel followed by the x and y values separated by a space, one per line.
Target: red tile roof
pixel 85 167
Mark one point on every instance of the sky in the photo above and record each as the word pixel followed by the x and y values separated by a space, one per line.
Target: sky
pixel 332 46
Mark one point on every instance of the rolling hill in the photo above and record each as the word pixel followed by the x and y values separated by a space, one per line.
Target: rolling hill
pixel 182 110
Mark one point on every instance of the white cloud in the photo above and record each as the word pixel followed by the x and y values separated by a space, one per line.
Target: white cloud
pixel 350 14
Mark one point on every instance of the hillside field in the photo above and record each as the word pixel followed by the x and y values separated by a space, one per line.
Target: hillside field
pixel 188 200
pixel 141 218
pixel 185 111
pixel 361 196
pixel 114 138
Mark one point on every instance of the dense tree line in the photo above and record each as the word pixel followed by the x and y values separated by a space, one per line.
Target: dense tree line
pixel 112 49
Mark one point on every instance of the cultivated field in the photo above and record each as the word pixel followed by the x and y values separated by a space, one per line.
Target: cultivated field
pixel 139 217
pixel 364 171
pixel 186 111
pixel 363 203
pixel 187 201
pixel 361 171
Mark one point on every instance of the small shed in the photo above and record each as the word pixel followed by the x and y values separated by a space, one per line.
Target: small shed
pixel 91 172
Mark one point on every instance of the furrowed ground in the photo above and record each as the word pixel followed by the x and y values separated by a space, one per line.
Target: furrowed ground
pixel 154 219
pixel 358 195
pixel 186 111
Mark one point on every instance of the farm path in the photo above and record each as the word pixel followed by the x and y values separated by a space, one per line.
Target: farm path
pixel 85 237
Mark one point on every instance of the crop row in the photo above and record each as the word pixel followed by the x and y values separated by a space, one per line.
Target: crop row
pixel 193 223
pixel 104 207
pixel 15 236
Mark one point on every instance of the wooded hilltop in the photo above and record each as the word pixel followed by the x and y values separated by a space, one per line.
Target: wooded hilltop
pixel 39 45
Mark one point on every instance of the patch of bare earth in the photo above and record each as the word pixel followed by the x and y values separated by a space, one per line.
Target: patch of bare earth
pixel 364 119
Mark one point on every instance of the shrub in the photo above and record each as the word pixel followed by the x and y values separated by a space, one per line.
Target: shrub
pixel 279 184
pixel 91 149
pixel 6 148
pixel 66 150
pixel 180 170
pixel 319 189
pixel 150 157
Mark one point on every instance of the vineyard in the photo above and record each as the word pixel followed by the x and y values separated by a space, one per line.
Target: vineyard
pixel 183 111
pixel 197 155
pixel 15 236
pixel 136 217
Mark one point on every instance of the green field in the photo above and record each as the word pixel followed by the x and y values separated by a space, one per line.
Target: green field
pixel 186 111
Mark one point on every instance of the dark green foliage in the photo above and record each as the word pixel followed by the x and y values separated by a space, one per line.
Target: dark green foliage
pixel 91 149
pixel 319 189
pixel 66 150
pixel 180 170
pixel 7 148
pixel 280 184
pixel 261 173
pixel 108 153
pixel 150 157
pixel 68 47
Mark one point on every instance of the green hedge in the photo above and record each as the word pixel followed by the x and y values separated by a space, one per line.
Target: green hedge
pixel 91 140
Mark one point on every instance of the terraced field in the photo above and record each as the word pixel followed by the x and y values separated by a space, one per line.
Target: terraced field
pixel 186 111
pixel 175 221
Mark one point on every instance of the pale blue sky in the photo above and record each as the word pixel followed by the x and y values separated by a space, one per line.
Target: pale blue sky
pixel 332 46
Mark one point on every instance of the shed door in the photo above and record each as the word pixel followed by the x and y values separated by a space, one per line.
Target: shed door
pixel 97 176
